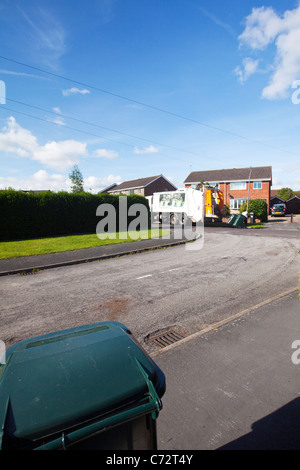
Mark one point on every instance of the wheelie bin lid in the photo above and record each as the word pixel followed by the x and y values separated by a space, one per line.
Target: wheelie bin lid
pixel 64 385
pixel 231 219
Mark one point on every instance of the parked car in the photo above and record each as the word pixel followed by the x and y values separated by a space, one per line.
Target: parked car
pixel 278 210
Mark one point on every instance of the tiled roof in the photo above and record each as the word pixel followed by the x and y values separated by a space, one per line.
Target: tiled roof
pixel 139 183
pixel 274 192
pixel 233 174
pixel 109 188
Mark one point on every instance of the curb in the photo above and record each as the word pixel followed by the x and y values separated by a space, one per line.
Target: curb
pixel 215 326
pixel 34 269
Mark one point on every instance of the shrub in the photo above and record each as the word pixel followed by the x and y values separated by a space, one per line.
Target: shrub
pixel 258 206
pixel 35 215
pixel 227 210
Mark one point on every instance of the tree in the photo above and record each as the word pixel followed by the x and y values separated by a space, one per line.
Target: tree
pixel 77 180
pixel 285 193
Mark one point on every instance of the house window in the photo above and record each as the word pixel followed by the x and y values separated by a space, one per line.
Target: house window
pixel 236 203
pixel 257 185
pixel 138 191
pixel 239 185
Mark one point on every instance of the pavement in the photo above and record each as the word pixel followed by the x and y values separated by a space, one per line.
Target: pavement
pixel 67 258
pixel 279 227
pixel 237 386
pixel 283 223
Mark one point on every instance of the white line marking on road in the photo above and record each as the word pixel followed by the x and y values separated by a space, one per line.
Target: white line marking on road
pixel 162 272
pixel 169 270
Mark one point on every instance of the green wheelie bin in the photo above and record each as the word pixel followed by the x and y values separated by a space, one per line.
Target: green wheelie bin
pixel 231 220
pixel 240 221
pixel 91 387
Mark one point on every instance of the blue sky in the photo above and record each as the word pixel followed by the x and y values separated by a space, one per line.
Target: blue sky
pixel 133 88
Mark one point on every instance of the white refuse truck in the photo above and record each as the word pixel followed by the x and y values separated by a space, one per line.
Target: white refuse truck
pixel 177 207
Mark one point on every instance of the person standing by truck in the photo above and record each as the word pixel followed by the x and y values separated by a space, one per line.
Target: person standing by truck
pixel 245 214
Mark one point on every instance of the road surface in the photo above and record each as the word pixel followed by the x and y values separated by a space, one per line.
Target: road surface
pixel 154 291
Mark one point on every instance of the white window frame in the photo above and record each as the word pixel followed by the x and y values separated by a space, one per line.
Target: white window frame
pixel 257 183
pixel 235 204
pixel 238 186
pixel 215 185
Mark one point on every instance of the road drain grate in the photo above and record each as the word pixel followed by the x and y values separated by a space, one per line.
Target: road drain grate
pixel 167 338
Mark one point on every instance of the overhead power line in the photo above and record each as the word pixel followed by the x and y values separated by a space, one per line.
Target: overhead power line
pixel 62 115
pixel 146 105
pixel 64 126
pixel 5 108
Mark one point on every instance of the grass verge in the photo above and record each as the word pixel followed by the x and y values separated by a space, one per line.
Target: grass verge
pixel 42 246
pixel 258 225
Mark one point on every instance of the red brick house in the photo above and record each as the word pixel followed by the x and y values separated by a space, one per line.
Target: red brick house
pixel 144 186
pixel 237 184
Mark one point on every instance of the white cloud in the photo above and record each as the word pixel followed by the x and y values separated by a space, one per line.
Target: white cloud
pixel 149 149
pixel 42 180
pixel 250 67
pixel 60 155
pixel 279 180
pixel 74 91
pixel 264 27
pixel 54 182
pixel 22 74
pixel 57 120
pixel 95 184
pixel 105 153
pixel 15 139
pixel 57 155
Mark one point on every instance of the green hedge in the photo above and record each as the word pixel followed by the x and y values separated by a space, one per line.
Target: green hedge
pixel 258 206
pixel 35 215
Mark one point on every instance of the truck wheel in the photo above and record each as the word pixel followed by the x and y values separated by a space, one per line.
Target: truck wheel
pixel 173 219
pixel 182 219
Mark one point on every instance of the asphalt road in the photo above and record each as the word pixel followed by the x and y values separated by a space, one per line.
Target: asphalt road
pixel 151 292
